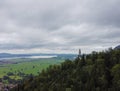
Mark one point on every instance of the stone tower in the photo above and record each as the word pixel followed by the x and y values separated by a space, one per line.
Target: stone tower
pixel 79 55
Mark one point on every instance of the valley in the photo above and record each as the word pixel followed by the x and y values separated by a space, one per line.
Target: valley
pixel 15 67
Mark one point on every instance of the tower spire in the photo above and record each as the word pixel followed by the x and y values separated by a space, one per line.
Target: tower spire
pixel 79 52
pixel 79 55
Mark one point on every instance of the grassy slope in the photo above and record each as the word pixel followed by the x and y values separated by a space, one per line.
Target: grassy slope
pixel 27 66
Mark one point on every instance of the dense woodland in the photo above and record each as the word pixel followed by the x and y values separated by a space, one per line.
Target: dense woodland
pixel 98 71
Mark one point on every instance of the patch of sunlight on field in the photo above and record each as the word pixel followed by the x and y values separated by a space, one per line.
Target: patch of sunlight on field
pixel 15 77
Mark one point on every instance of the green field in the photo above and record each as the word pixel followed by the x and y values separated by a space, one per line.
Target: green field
pixel 27 66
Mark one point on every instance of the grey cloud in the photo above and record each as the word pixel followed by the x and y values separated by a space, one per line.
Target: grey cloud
pixel 48 14
pixel 59 24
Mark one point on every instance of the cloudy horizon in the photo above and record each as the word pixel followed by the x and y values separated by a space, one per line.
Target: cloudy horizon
pixel 59 26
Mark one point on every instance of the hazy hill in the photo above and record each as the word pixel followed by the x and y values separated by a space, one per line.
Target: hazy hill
pixel 117 47
pixel 60 56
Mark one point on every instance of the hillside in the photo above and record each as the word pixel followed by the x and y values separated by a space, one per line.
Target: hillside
pixel 117 47
pixel 98 71
pixel 39 55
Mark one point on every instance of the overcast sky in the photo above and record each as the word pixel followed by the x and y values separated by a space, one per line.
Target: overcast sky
pixel 58 26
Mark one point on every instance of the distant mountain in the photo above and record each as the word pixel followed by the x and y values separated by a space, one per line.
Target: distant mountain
pixel 62 56
pixel 5 54
pixel 2 55
pixel 8 55
pixel 117 47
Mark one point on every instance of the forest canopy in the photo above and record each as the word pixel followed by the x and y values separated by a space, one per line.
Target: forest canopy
pixel 98 71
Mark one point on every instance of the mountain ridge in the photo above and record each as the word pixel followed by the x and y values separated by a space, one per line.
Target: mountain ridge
pixel 117 47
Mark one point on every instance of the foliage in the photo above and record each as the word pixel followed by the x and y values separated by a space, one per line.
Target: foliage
pixel 98 71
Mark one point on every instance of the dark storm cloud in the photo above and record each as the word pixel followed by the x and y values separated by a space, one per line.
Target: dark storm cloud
pixel 59 24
